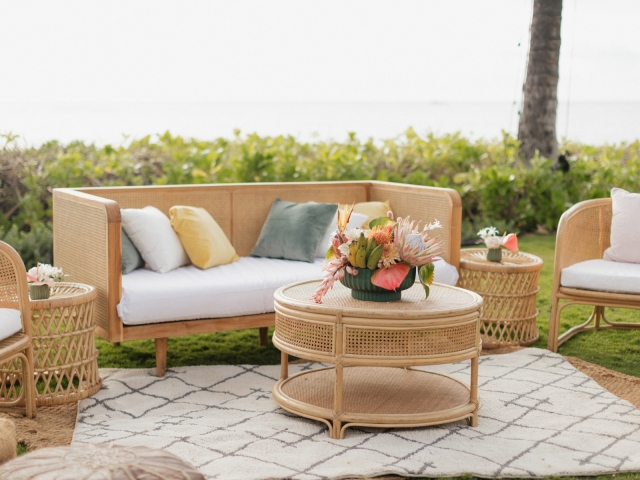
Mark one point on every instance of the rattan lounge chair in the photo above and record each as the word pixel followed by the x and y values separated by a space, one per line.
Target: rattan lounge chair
pixel 15 346
pixel 584 234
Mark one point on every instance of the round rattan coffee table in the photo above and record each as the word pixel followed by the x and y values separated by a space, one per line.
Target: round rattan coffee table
pixel 373 347
pixel 64 349
pixel 509 289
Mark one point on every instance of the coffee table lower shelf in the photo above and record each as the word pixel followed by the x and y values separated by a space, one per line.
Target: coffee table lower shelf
pixel 376 397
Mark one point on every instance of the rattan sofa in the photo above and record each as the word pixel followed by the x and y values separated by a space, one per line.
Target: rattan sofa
pixel 87 236
pixel 584 234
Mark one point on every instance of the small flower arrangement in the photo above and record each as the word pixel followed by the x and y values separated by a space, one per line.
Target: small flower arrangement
pixel 44 274
pixel 493 242
pixel 390 248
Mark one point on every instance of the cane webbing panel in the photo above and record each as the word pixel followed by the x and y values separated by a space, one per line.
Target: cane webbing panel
pixel 8 283
pixel 410 343
pixel 317 337
pixel 424 206
pixel 443 301
pixel 509 290
pixel 216 201
pixel 80 247
pixel 379 390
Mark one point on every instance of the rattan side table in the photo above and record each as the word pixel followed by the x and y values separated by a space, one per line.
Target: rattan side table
pixel 509 289
pixel 64 349
pixel 373 346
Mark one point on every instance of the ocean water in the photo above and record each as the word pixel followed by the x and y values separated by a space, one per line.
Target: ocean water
pixel 116 123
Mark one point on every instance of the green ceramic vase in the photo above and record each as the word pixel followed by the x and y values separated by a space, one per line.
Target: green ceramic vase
pixel 39 292
pixel 362 288
pixel 494 254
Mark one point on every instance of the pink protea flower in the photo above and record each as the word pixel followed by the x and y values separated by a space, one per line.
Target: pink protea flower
pixel 411 250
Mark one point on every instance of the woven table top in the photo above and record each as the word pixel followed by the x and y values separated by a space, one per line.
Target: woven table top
pixel 443 301
pixel 476 259
pixel 64 294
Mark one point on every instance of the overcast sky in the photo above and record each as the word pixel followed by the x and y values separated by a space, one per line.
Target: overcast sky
pixel 294 50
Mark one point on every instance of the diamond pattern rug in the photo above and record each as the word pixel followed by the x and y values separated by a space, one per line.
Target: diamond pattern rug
pixel 539 417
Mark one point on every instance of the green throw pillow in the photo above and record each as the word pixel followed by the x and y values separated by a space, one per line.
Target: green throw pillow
pixel 131 258
pixel 293 230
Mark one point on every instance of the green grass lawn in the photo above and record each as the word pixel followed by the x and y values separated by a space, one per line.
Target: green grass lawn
pixel 615 349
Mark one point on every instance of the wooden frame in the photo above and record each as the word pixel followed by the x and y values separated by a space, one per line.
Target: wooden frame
pixel 14 293
pixel 87 235
pixel 583 234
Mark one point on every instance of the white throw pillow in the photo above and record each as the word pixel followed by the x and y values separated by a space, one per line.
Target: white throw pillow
pixel 625 227
pixel 10 322
pixel 150 231
pixel 355 221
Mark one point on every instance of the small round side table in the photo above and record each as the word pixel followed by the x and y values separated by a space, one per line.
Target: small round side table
pixel 509 289
pixel 64 348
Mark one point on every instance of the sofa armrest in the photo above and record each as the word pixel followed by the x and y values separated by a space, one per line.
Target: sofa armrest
pixel 87 246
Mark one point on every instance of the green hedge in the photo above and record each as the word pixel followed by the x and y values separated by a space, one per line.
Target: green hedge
pixel 495 188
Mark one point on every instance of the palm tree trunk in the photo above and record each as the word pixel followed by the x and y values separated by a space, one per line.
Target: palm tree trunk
pixel 537 128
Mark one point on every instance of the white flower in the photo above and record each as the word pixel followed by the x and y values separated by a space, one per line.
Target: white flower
pixel 493 242
pixel 488 232
pixel 353 235
pixel 432 226
pixel 44 273
pixel 344 249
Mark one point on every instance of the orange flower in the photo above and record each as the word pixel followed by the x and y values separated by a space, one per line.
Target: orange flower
pixel 381 235
pixel 343 217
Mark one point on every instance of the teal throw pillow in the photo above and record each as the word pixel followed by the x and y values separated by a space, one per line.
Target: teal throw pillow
pixel 293 230
pixel 131 258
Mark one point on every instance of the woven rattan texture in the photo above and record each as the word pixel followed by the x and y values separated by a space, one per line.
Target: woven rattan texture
pixel 64 353
pixel 251 206
pixel 586 235
pixel 8 283
pixel 405 203
pixel 317 337
pixel 85 259
pixel 442 299
pixel 508 315
pixel 216 201
pixel 376 390
pixel 410 343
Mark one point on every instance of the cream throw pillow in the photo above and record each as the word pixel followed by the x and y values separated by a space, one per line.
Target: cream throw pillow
pixel 625 227
pixel 202 238
pixel 373 210
pixel 150 231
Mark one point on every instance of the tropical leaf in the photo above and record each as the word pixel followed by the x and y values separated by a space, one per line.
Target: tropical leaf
pixel 426 273
pixel 380 222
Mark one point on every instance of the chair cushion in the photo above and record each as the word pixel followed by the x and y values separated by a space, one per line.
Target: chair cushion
pixel 602 275
pixel 150 231
pixel 293 230
pixel 245 287
pixel 625 227
pixel 201 236
pixel 10 322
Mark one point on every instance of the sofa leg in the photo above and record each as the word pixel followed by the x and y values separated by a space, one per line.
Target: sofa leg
pixel 161 356
pixel 263 335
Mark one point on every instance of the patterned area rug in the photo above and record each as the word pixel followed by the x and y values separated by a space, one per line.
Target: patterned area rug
pixel 539 417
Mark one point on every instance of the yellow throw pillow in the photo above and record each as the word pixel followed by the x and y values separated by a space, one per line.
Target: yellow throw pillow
pixel 372 209
pixel 202 238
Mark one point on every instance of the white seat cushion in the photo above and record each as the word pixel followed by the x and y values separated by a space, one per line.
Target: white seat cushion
pixel 602 275
pixel 10 322
pixel 245 287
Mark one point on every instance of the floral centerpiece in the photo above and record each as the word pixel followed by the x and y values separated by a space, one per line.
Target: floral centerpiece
pixel 41 278
pixel 383 256
pixel 494 243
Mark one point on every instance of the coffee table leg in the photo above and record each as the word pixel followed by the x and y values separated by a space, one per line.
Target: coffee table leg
pixel 284 365
pixel 337 403
pixel 474 390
